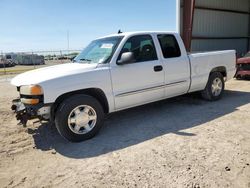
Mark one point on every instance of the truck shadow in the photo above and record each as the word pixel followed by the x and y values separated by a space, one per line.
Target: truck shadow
pixel 136 125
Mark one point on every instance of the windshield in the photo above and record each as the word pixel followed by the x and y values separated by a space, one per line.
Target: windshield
pixel 98 51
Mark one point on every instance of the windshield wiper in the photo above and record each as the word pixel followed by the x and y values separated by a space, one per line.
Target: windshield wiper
pixel 83 59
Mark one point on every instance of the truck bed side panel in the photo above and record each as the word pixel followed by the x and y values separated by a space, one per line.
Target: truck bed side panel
pixel 203 63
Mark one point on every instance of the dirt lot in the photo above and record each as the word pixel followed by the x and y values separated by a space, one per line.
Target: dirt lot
pixel 22 68
pixel 180 142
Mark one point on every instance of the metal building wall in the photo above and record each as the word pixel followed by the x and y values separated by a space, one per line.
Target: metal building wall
pixel 220 25
pixel 181 17
pixel 209 23
pixel 240 5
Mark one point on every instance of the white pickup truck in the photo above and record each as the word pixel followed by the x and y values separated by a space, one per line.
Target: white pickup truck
pixel 117 72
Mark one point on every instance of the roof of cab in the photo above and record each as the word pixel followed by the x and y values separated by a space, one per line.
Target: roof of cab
pixel 138 32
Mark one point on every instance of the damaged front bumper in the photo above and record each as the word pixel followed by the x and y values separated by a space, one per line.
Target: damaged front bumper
pixel 26 112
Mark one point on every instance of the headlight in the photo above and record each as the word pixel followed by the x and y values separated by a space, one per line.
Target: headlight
pixel 31 94
pixel 31 90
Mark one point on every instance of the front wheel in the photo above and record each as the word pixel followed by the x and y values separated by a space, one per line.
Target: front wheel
pixel 79 118
pixel 214 88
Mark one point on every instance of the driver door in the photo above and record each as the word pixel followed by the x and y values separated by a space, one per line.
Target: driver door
pixel 142 80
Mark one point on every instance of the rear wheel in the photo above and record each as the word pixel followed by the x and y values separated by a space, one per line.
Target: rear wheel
pixel 79 118
pixel 214 88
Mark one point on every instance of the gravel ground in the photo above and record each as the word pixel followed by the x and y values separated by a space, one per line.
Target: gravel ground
pixel 22 68
pixel 179 142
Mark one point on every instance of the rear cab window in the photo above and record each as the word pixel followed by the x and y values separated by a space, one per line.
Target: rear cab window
pixel 169 46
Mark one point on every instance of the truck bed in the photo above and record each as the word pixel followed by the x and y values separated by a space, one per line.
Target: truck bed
pixel 203 62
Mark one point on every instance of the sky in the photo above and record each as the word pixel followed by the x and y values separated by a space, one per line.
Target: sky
pixel 42 25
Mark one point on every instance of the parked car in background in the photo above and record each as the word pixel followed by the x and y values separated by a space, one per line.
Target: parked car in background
pixel 62 57
pixel 11 60
pixel 2 62
pixel 117 72
pixel 30 59
pixel 243 67
pixel 7 61
pixel 48 58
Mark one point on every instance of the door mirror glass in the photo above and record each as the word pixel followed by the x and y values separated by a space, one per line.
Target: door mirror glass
pixel 126 57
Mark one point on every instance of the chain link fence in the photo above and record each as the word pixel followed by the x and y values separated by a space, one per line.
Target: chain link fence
pixel 18 62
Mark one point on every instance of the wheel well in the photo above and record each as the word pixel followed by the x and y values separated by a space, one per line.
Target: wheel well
pixel 221 69
pixel 94 92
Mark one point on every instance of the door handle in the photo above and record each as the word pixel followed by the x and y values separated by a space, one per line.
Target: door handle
pixel 158 68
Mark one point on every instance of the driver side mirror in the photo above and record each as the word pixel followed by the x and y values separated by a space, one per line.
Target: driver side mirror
pixel 126 57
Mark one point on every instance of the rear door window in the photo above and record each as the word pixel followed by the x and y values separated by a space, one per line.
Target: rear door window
pixel 169 46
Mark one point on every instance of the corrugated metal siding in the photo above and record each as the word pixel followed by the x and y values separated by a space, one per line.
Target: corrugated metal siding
pixel 240 45
pixel 181 2
pixel 212 23
pixel 238 5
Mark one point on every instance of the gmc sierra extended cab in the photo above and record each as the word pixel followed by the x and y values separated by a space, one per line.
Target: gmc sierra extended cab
pixel 114 73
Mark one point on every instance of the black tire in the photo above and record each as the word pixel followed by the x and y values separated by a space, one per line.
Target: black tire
pixel 238 77
pixel 64 110
pixel 207 92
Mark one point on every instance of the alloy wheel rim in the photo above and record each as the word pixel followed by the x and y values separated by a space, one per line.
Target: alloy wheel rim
pixel 216 87
pixel 82 119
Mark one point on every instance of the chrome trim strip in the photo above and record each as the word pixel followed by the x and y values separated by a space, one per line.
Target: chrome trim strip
pixel 140 91
pixel 149 89
pixel 174 83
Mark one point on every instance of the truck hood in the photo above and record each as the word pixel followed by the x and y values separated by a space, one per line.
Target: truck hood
pixel 48 73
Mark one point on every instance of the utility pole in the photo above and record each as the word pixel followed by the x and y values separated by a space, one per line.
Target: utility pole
pixel 68 39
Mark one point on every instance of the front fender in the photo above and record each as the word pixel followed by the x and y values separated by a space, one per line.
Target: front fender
pixel 94 79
